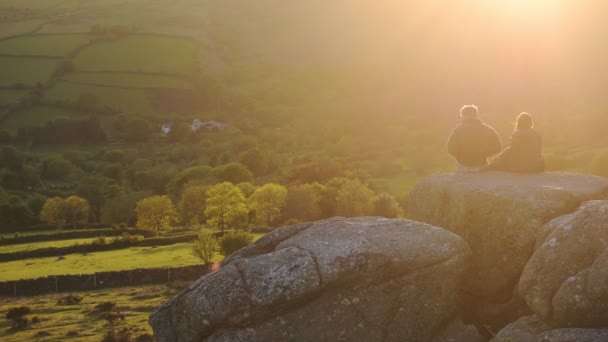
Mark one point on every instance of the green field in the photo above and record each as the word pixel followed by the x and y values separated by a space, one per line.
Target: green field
pixel 35 116
pixel 123 259
pixel 27 71
pixel 8 29
pixel 43 244
pixel 128 80
pixel 43 45
pixel 141 53
pixel 125 100
pixel 135 302
pixel 12 96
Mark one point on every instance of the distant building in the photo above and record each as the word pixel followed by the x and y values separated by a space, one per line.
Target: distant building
pixel 209 125
pixel 165 129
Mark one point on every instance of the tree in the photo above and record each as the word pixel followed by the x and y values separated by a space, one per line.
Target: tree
pixel 234 173
pixel 269 201
pixel 156 212
pixel 385 205
pixel 53 212
pixel 77 210
pixel 302 203
pixel 354 199
pixel 121 209
pixel 225 205
pixel 205 247
pixel 192 205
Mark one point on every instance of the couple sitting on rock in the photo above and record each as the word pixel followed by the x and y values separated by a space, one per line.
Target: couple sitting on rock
pixel 472 142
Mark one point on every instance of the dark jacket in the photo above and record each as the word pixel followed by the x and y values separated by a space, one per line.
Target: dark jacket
pixel 472 142
pixel 525 153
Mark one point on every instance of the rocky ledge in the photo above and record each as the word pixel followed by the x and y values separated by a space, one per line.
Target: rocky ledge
pixel 359 279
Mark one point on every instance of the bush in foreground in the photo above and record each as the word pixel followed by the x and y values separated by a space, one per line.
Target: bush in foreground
pixel 205 247
pixel 234 241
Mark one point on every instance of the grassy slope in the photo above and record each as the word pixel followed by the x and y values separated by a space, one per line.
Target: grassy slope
pixel 27 71
pixel 140 53
pixel 35 116
pixel 135 302
pixel 57 45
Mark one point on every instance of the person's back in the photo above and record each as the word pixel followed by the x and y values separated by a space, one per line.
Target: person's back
pixel 472 141
pixel 526 147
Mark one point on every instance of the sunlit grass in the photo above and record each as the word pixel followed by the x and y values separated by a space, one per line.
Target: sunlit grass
pixel 135 302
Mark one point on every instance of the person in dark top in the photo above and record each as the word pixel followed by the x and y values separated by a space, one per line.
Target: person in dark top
pixel 524 154
pixel 472 141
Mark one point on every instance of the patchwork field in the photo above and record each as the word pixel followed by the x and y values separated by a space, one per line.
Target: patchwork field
pixel 125 100
pixel 43 45
pixel 35 116
pixel 56 321
pixel 12 28
pixel 128 80
pixel 141 53
pixel 11 96
pixel 26 71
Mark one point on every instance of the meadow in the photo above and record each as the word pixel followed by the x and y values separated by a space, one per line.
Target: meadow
pixel 43 45
pixel 35 116
pixel 56 321
pixel 145 53
pixel 26 71
pixel 120 79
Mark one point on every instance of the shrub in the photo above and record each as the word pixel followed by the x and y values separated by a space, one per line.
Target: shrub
pixel 117 336
pixel 233 241
pixel 205 247
pixel 69 300
pixel 99 241
pixel 17 312
pixel 105 306
pixel 114 316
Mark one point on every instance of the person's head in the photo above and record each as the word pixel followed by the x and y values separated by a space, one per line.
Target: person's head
pixel 524 120
pixel 468 111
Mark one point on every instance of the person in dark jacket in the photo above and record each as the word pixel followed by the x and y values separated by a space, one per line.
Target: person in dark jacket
pixel 524 154
pixel 472 142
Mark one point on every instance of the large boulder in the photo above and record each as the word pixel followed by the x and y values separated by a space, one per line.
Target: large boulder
pixel 566 280
pixel 533 329
pixel 500 215
pixel 359 279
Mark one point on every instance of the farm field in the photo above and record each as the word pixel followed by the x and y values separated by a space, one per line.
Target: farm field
pixel 9 29
pixel 141 53
pixel 43 244
pixel 43 45
pixel 26 71
pixel 35 116
pixel 11 96
pixel 123 259
pixel 125 100
pixel 128 80
pixel 54 231
pixel 57 320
